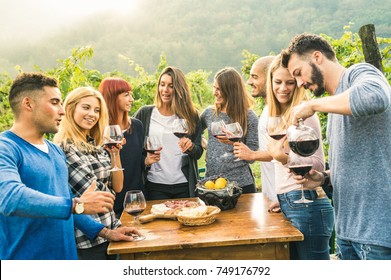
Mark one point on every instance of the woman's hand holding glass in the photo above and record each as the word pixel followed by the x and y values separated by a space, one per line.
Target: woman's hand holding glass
pixel 113 140
pixel 153 146
pixel 233 133
pixel 185 144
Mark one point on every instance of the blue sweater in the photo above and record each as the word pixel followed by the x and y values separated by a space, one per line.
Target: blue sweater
pixel 35 203
pixel 360 153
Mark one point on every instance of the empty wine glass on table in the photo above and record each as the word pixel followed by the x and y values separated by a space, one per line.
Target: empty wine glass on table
pixel 112 135
pixel 276 127
pixel 300 166
pixel 234 133
pixel 134 205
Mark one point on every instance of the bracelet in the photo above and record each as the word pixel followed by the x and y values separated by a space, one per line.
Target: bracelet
pixel 326 181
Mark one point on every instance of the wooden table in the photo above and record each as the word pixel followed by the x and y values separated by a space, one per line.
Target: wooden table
pixel 246 232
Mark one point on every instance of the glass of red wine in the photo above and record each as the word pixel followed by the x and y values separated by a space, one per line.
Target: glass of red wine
pixel 112 135
pixel 300 166
pixel 180 129
pixel 217 128
pixel 234 133
pixel 152 144
pixel 134 205
pixel 276 127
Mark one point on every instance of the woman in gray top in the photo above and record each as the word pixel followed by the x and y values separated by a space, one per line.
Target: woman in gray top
pixel 232 104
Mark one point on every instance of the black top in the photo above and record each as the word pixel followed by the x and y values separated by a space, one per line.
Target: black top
pixel 132 161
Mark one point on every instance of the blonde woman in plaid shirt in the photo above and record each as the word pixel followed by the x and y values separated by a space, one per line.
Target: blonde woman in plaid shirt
pixel 80 136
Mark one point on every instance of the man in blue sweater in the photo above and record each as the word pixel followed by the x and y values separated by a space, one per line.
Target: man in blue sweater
pixel 36 205
pixel 359 125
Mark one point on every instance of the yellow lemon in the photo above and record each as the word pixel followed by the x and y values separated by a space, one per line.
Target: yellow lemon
pixel 220 183
pixel 209 185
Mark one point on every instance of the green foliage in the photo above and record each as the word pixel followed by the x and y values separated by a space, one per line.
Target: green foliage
pixel 5 110
pixel 72 72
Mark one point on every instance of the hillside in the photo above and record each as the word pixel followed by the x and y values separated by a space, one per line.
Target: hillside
pixel 195 34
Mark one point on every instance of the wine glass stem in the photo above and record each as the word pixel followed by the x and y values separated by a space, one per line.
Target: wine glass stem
pixel 302 191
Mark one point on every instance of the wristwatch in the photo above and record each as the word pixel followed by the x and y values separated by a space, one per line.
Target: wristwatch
pixel 79 207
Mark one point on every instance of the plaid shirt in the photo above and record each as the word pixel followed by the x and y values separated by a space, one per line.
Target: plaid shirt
pixel 84 168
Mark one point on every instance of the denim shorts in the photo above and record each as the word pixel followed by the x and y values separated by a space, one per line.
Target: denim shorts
pixel 315 221
pixel 349 250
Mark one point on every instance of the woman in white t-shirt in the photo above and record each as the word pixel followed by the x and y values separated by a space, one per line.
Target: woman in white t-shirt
pixel 175 174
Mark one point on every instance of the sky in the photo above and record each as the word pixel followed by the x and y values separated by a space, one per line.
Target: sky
pixel 32 19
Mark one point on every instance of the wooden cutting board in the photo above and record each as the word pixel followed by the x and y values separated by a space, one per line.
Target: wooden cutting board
pixel 161 211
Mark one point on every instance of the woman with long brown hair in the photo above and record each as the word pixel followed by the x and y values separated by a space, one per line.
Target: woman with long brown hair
pixel 232 104
pixel 117 93
pixel 175 175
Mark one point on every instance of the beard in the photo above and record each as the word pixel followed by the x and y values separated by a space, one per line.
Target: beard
pixel 318 80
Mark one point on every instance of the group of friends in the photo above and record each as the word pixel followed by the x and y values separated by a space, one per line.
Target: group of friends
pixel 59 199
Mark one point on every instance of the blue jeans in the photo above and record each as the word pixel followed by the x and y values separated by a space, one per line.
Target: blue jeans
pixel 348 250
pixel 314 220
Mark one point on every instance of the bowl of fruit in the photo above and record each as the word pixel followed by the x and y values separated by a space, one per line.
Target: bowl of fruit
pixel 219 191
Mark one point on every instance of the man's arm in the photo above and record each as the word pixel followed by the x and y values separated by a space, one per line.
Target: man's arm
pixel 338 104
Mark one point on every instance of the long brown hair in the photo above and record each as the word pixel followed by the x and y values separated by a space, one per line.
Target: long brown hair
pixel 70 132
pixel 110 89
pixel 299 94
pixel 236 98
pixel 182 105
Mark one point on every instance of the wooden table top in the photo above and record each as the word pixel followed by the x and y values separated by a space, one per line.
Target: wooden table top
pixel 248 223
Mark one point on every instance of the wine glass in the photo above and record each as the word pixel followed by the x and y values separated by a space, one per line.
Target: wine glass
pixel 180 129
pixel 217 128
pixel 301 166
pixel 152 144
pixel 234 133
pixel 134 205
pixel 276 127
pixel 112 135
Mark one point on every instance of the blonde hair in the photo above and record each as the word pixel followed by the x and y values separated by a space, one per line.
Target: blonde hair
pixel 182 105
pixel 70 132
pixel 235 96
pixel 299 94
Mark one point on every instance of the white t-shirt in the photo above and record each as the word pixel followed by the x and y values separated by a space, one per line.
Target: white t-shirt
pixel 43 147
pixel 168 169
pixel 267 168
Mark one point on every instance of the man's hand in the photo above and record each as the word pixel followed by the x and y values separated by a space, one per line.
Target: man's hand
pixel 97 201
pixel 302 111
pixel 119 234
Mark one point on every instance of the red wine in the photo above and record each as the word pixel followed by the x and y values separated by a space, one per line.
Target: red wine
pixel 219 135
pixel 304 148
pixel 111 145
pixel 300 169
pixel 277 136
pixel 180 134
pixel 134 212
pixel 151 151
pixel 234 139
